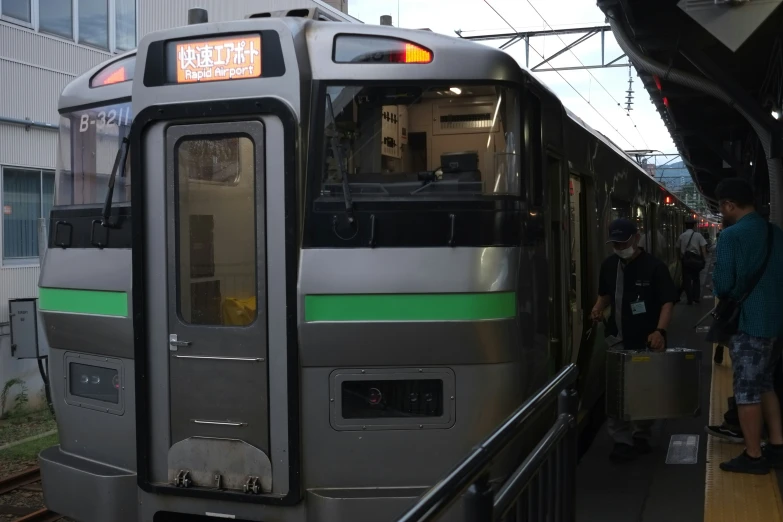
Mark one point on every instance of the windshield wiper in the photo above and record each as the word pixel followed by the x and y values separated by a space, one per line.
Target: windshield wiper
pixel 339 158
pixel 119 163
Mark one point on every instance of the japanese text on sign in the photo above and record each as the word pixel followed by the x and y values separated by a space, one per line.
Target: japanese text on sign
pixel 230 59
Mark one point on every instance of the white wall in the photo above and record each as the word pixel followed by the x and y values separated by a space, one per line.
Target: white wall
pixel 34 68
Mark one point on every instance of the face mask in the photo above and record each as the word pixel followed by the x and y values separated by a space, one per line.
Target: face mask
pixel 626 253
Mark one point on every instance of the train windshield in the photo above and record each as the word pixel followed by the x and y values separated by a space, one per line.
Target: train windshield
pixel 454 141
pixel 88 144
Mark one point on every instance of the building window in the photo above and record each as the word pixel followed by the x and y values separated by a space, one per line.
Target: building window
pixel 18 9
pixel 27 196
pixel 56 17
pixel 125 19
pixel 84 21
pixel 94 23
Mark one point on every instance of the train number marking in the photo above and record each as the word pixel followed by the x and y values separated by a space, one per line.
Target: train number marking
pixel 113 118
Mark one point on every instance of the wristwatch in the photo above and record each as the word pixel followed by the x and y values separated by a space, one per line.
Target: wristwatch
pixel 662 331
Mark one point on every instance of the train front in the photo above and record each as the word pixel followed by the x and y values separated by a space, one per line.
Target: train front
pixel 327 221
pixel 409 311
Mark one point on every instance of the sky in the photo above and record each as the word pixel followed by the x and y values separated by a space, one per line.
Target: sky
pixel 592 95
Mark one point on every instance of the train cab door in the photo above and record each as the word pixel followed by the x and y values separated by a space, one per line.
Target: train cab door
pixel 213 211
pixel 577 286
pixel 559 275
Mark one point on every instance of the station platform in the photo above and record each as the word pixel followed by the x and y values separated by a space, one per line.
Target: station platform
pixel 650 490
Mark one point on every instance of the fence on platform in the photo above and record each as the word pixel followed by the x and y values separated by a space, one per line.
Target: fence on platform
pixel 542 487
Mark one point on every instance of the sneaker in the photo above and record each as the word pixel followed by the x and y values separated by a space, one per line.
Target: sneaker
pixel 725 433
pixel 774 455
pixel 642 445
pixel 623 453
pixel 745 464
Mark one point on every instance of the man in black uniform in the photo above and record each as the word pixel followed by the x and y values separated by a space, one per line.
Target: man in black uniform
pixel 641 292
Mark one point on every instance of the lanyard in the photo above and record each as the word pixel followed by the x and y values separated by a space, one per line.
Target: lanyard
pixel 618 299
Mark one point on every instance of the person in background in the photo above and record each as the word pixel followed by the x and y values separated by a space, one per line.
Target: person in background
pixel 740 254
pixel 641 293
pixel 691 243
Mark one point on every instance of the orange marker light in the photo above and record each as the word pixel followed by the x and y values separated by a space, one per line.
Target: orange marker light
pixel 117 72
pixel 117 76
pixel 416 54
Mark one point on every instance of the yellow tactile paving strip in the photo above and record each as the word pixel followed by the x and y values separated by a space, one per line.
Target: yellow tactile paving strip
pixel 733 497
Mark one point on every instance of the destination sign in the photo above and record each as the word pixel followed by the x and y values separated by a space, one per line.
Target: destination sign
pixel 211 60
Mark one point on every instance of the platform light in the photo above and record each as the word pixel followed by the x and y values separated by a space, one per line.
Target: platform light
pixel 456 90
pixel 776 113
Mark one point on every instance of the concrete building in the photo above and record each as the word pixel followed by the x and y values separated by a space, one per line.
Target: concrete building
pixel 44 44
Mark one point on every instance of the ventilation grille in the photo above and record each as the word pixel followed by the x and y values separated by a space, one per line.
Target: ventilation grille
pixel 456 117
pixel 466 121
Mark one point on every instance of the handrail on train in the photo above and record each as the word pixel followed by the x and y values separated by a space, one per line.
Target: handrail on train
pixel 547 474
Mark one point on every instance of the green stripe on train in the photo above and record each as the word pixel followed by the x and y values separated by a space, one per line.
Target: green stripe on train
pixel 89 302
pixel 410 307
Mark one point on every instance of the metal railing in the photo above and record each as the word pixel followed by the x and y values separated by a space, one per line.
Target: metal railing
pixel 541 488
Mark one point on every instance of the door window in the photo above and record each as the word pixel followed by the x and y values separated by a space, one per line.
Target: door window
pixel 216 216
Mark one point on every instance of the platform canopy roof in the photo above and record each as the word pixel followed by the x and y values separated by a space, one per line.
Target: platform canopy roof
pixel 734 44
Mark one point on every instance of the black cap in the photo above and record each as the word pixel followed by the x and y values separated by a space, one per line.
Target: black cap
pixel 621 230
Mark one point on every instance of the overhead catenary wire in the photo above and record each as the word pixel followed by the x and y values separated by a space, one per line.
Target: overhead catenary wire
pixel 567 82
pixel 582 64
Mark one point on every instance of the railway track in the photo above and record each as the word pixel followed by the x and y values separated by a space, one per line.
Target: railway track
pixel 26 481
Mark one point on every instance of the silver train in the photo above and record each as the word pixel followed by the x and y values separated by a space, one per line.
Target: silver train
pixel 298 268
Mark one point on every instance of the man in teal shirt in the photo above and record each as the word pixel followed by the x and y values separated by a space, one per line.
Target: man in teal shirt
pixel 740 254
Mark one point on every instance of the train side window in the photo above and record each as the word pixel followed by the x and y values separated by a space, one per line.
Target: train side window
pixel 576 316
pixel 620 209
pixel 662 243
pixel 640 218
pixel 666 246
pixel 216 230
pixel 535 147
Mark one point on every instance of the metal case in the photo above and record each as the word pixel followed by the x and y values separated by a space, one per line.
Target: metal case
pixel 643 385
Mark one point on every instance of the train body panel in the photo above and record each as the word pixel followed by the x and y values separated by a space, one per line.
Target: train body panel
pixel 326 281
pixel 396 284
